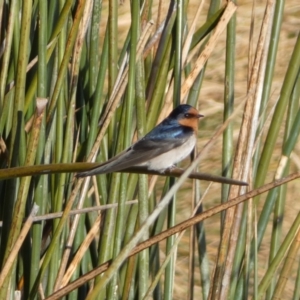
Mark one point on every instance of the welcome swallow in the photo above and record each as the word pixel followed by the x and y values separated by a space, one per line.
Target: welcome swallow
pixel 165 145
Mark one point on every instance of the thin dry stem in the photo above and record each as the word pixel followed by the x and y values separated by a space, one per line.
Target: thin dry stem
pixel 11 259
pixel 80 252
pixel 178 228
pixel 242 162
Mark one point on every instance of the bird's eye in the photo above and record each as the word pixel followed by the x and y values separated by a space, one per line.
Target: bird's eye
pixel 187 115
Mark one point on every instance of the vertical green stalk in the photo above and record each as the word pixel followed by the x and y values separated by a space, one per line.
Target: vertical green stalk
pixel 159 90
pixel 113 44
pixel 137 82
pixel 7 51
pixel 129 104
pixel 112 57
pixel 94 47
pixel 178 37
pixel 296 293
pixel 170 269
pixel 20 83
pixel 289 81
pixel 143 262
pixel 178 34
pixel 17 130
pixel 271 61
pixel 22 194
pixel 67 54
pixel 159 60
pixel 79 237
pixel 212 16
pixel 16 38
pixel 59 26
pixel 280 201
pixel 273 194
pixel 280 255
pixel 39 199
pixel 202 250
pixel 239 257
pixel 58 150
pixel 227 152
pixel 98 98
pixel 272 53
pixel 107 248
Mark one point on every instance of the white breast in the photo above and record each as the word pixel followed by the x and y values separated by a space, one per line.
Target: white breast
pixel 168 159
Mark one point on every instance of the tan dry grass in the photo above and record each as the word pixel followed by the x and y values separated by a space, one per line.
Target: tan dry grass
pixel 212 94
pixel 211 105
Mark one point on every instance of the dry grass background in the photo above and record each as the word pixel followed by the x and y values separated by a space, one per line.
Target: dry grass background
pixel 211 105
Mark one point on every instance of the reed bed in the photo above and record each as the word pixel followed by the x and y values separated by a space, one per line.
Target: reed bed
pixel 82 80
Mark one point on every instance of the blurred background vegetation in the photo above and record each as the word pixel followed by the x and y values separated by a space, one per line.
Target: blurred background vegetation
pixel 67 65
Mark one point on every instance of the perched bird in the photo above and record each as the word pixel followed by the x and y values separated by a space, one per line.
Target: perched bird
pixel 165 145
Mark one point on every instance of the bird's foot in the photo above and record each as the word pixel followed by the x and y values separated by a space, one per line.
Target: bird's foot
pixel 170 168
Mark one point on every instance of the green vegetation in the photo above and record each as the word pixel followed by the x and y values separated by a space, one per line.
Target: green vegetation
pixel 80 81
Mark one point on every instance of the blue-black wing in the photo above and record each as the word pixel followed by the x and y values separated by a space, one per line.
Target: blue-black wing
pixel 161 139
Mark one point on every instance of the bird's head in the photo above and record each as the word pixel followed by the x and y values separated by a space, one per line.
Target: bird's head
pixel 186 115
